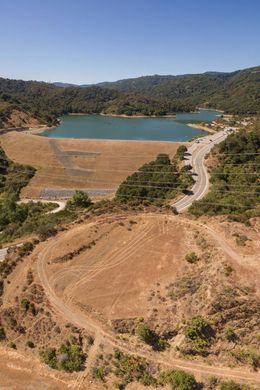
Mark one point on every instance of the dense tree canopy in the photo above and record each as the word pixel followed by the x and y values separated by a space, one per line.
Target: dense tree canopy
pixel 237 93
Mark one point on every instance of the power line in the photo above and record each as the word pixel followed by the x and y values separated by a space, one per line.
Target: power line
pixel 201 202
pixel 155 155
pixel 133 172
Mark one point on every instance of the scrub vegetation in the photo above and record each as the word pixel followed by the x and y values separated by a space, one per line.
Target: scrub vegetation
pixel 155 182
pixel 18 220
pixel 235 181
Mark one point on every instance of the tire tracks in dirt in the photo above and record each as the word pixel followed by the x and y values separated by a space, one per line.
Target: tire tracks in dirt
pixel 86 322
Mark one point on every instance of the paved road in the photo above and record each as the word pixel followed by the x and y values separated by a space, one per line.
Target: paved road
pixel 197 153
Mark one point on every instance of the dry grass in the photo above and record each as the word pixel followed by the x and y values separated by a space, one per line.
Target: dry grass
pixel 113 163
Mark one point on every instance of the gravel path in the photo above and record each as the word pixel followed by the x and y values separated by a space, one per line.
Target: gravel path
pixel 66 193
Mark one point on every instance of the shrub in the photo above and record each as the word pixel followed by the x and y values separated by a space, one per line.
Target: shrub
pixel 99 373
pixel 80 199
pixel 228 270
pixel 230 385
pixel 25 249
pixel 2 333
pixel 191 257
pixel 11 344
pixel 199 332
pixel 30 344
pixel 131 368
pixel 25 304
pixel 230 334
pixel 1 287
pixel 46 230
pixel 241 240
pixel 212 382
pixel 29 277
pixel 68 357
pixel 250 356
pixel 179 380
pixel 150 337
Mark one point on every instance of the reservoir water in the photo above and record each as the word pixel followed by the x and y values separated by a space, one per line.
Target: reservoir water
pixel 114 128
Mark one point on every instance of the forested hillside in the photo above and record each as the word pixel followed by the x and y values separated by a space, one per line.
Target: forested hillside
pixel 46 101
pixel 237 93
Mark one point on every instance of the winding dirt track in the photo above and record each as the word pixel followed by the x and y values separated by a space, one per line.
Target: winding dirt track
pixel 72 314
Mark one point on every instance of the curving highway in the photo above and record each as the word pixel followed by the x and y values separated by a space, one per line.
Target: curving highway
pixel 195 157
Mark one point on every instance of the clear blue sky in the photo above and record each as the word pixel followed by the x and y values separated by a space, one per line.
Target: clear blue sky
pixel 87 41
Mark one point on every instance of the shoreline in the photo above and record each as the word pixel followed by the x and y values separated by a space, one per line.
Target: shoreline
pixel 210 109
pixel 201 127
pixel 137 116
pixel 44 128
pixel 122 115
pixel 38 130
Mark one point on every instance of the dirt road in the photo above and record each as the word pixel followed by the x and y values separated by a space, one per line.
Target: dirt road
pixel 61 204
pixel 81 319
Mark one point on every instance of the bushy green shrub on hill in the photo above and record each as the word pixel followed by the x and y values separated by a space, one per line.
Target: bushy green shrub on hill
pixel 67 357
pixel 80 199
pixel 199 332
pixel 178 380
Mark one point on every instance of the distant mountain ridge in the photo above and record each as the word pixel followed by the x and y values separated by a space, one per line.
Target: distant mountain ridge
pixel 236 93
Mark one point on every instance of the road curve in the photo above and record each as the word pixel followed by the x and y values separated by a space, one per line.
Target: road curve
pixel 61 204
pixel 197 152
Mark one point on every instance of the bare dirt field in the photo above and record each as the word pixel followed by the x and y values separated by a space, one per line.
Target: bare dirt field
pixel 106 274
pixel 116 275
pixel 71 163
pixel 133 261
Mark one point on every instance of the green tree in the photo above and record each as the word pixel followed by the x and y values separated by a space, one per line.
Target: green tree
pixel 199 332
pixel 181 152
pixel 80 199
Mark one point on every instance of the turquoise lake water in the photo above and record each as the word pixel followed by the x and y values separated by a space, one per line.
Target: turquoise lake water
pixel 145 129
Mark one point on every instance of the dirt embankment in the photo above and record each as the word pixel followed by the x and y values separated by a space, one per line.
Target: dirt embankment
pixel 80 164
pixel 19 119
pixel 108 273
